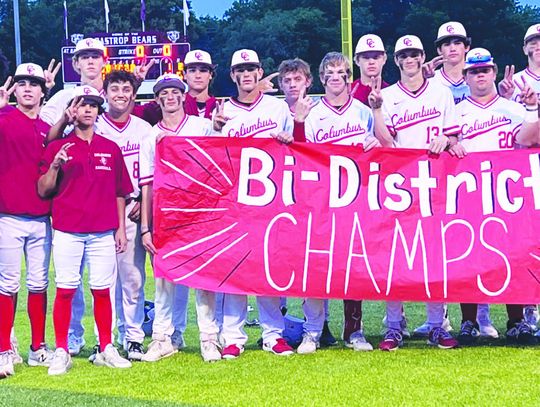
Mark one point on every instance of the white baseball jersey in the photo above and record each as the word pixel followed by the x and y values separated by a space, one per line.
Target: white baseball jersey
pixel 260 119
pixel 191 126
pixel 530 77
pixel 350 125
pixel 129 139
pixel 489 127
pixel 460 90
pixel 54 108
pixel 415 119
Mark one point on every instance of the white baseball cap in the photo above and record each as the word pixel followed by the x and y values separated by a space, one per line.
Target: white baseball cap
pixel 408 42
pixel 369 42
pixel 169 80
pixel 89 44
pixel 451 29
pixel 532 31
pixel 200 57
pixel 478 58
pixel 29 71
pixel 89 93
pixel 245 57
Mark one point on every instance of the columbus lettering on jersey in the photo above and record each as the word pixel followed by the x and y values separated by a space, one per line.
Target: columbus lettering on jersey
pixel 482 126
pixel 253 129
pixel 349 130
pixel 410 119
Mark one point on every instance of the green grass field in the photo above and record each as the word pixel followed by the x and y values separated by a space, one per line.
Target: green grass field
pixel 490 374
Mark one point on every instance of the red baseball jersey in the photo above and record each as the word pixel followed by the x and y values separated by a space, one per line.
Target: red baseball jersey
pixel 21 147
pixel 88 185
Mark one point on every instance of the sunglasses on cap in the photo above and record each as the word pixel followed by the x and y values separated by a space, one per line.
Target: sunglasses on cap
pixel 409 54
pixel 476 59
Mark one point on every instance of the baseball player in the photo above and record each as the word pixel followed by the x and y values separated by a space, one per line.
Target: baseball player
pixel 337 118
pixel 127 131
pixel 252 114
pixel 516 125
pixel 414 113
pixel 87 165
pixel 370 57
pixel 169 92
pixel 24 216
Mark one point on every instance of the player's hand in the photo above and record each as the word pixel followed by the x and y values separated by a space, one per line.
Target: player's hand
pixel 266 85
pixel 370 143
pixel 438 144
pixel 352 91
pixel 62 156
pixel 120 240
pixel 303 106
pixel 141 71
pixel 135 214
pixel 506 86
pixel 527 95
pixel 375 99
pixel 429 68
pixel 148 244
pixel 457 150
pixel 219 119
pixel 50 73
pixel 283 137
pixel 6 91
pixel 70 114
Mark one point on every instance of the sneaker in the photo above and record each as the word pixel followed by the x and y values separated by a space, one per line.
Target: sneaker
pixel 177 339
pixel 60 362
pixel 327 339
pixel 278 347
pixel 6 364
pixel 521 334
pixel 439 337
pixel 393 339
pixel 15 357
pixel 40 357
pixel 111 358
pixel 210 351
pixel 468 334
pixel 487 330
pixel 95 351
pixel 309 345
pixel 135 351
pixel 75 345
pixel 402 325
pixel 530 314
pixel 358 342
pixel 158 350
pixel 423 330
pixel 232 351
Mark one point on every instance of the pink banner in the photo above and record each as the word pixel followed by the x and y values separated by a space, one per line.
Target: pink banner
pixel 256 217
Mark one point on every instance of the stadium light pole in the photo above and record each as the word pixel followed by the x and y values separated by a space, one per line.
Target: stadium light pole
pixel 346 28
pixel 17 29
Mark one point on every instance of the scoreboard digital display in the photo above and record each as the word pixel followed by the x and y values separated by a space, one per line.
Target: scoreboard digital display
pixel 124 51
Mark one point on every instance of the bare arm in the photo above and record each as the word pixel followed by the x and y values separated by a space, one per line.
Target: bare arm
pixel 146 218
pixel 47 182
pixel 120 235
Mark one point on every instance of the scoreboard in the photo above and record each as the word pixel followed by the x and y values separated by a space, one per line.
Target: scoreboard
pixel 124 51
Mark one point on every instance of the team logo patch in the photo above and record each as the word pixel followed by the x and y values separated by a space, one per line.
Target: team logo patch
pixel 407 42
pixel 198 56
pixel 89 42
pixel 173 36
pixel 370 43
pixel 244 55
pixel 75 38
pixel 87 90
pixel 103 161
pixel 30 69
pixel 450 29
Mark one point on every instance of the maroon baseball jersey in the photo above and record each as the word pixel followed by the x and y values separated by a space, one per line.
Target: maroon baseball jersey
pixel 88 185
pixel 21 148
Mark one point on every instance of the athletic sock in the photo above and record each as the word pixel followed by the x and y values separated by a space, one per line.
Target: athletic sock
pixel 103 316
pixel 468 312
pixel 37 311
pixel 7 312
pixel 62 316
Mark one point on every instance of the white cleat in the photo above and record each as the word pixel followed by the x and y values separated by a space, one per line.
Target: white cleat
pixel 40 357
pixel 359 343
pixel 111 358
pixel 6 364
pixel 60 363
pixel 158 350
pixel 210 351
pixel 309 345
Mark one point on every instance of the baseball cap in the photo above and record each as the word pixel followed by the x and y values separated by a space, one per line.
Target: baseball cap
pixel 478 58
pixel 451 29
pixel 199 57
pixel 369 42
pixel 408 42
pixel 169 80
pixel 89 44
pixel 29 71
pixel 245 57
pixel 532 31
pixel 88 93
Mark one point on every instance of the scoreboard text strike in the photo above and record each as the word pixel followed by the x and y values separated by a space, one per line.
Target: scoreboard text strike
pixel 124 51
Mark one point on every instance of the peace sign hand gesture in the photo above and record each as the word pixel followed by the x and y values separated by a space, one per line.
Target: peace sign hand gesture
pixel 375 99
pixel 70 114
pixel 50 73
pixel 506 86
pixel 62 156
pixel 527 96
pixel 219 119
pixel 430 67
pixel 142 70
pixel 6 91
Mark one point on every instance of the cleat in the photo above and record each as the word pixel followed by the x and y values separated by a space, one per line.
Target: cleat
pixel 60 363
pixel 530 314
pixel 278 347
pixel 487 330
pixel 6 364
pixel 520 334
pixel 111 358
pixel 40 357
pixel 158 350
pixel 358 342
pixel 468 334
pixel 75 345
pixel 232 352
pixel 439 337
pixel 327 339
pixel 309 344
pixel 210 351
pixel 393 339
pixel 135 351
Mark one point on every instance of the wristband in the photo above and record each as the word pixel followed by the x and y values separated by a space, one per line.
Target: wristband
pixel 145 232
pixel 531 116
